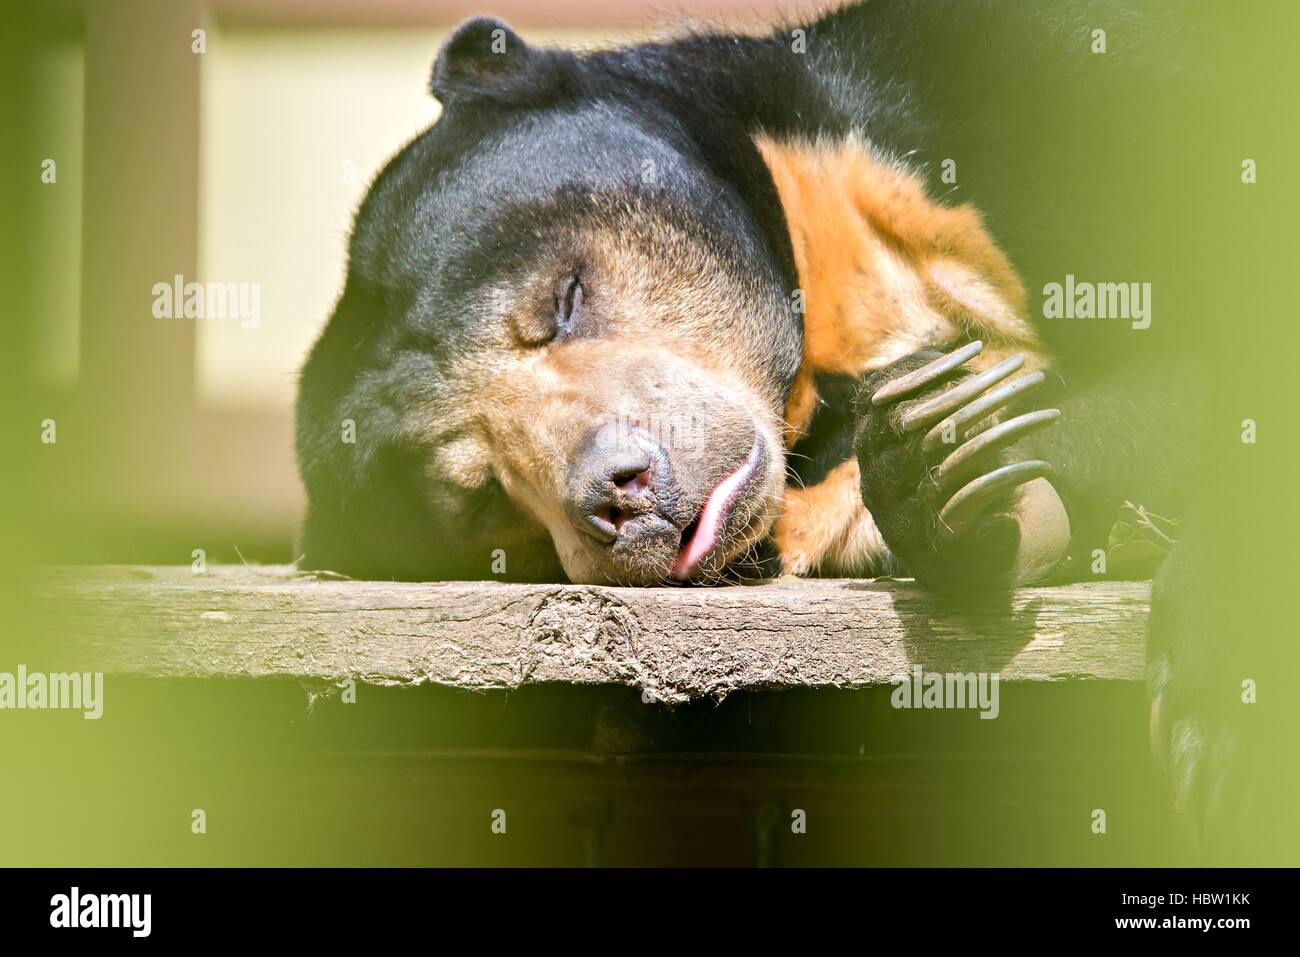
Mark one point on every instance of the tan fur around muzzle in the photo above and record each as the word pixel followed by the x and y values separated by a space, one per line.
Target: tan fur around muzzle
pixel 541 416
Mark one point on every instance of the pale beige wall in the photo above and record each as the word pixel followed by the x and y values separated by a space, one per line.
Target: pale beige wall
pixel 294 126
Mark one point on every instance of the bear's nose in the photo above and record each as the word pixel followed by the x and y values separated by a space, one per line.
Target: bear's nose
pixel 614 480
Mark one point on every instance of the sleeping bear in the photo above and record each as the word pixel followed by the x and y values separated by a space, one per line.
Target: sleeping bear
pixel 730 306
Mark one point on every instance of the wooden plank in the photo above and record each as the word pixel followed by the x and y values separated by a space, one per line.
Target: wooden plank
pixel 675 643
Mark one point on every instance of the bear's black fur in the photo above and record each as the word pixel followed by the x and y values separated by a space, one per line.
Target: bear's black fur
pixel 923 80
pixel 1074 158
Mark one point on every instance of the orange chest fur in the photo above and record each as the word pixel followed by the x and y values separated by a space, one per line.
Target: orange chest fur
pixel 883 270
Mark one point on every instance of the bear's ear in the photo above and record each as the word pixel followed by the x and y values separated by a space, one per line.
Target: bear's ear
pixel 482 57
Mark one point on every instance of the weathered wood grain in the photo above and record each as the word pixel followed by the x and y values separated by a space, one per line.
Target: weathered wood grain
pixel 675 643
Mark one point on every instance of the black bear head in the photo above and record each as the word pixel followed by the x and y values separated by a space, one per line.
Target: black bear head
pixel 566 336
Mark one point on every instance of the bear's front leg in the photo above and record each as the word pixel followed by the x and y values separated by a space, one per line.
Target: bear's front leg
pixel 942 481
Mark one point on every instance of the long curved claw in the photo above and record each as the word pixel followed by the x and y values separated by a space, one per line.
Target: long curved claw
pixel 953 399
pixel 963 510
pixel 965 463
pixel 918 379
pixel 968 477
pixel 956 425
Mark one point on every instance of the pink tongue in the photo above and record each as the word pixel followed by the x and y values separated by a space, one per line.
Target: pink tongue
pixel 711 519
